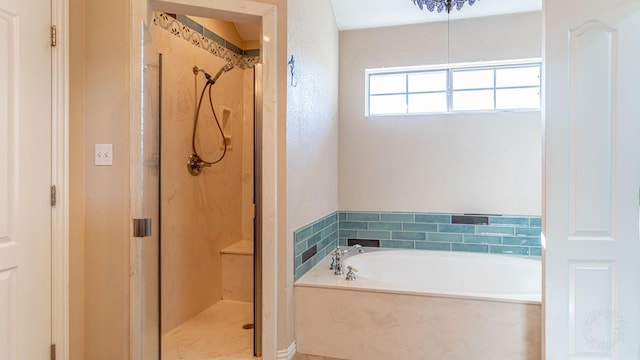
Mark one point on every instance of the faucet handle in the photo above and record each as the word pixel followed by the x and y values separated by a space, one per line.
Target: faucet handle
pixel 351 273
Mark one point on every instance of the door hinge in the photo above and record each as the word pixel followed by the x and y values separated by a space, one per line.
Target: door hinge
pixel 54 35
pixel 53 195
pixel 53 351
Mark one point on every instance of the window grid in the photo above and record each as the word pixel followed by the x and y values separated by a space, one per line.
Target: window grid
pixel 449 90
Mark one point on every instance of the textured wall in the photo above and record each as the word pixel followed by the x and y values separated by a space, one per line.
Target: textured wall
pixel 481 163
pixel 106 198
pixel 312 130
pixel 202 214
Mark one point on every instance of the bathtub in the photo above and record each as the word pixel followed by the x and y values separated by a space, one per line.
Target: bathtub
pixel 413 304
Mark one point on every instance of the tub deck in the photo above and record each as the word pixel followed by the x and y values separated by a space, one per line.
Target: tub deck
pixel 368 319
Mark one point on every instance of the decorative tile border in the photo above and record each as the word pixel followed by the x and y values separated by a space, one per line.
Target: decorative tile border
pixel 495 234
pixel 196 34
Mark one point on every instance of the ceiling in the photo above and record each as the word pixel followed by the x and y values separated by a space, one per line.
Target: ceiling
pixel 360 14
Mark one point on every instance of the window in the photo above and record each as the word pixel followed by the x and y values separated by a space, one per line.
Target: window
pixel 476 87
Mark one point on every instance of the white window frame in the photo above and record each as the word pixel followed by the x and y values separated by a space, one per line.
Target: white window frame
pixel 450 69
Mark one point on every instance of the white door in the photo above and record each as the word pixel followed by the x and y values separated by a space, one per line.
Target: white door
pixel 592 139
pixel 25 179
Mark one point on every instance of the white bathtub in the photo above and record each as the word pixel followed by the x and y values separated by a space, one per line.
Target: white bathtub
pixel 421 305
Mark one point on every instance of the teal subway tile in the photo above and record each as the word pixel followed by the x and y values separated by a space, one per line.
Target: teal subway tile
pixel 334 217
pixel 318 226
pixel 397 217
pixel 481 239
pixel 509 250
pixel 419 227
pixel 314 239
pixel 342 216
pixel 385 226
pixel 302 269
pixel 528 231
pixel 433 218
pixel 428 245
pixel 521 240
pixel 376 235
pixel 327 240
pixel 329 229
pixel 348 233
pixel 330 219
pixel 488 229
pixel 535 221
pixel 460 229
pixel 444 237
pixel 297 261
pixel 363 216
pixel 509 220
pixel 330 247
pixel 353 225
pixel 299 248
pixel 342 242
pixel 303 234
pixel 397 244
pixel 535 251
pixel 470 247
pixel 406 235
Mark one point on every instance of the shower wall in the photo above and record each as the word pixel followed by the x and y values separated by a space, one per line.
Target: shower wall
pixel 201 215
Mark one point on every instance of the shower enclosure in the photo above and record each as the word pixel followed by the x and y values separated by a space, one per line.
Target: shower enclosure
pixel 207 228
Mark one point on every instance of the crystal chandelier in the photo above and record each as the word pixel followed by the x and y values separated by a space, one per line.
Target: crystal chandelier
pixel 440 5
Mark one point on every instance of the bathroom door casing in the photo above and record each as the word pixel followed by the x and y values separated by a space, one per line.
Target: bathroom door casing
pixel 592 180
pixel 25 180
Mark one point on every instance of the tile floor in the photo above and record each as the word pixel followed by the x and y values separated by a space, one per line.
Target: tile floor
pixel 214 334
pixel 217 334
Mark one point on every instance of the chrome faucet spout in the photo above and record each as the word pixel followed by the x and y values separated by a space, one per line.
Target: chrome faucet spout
pixel 356 246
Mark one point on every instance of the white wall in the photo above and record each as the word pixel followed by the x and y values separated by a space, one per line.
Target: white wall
pixel 481 163
pixel 312 128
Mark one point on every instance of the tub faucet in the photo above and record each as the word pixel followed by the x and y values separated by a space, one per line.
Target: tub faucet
pixel 336 261
pixel 336 257
pixel 346 251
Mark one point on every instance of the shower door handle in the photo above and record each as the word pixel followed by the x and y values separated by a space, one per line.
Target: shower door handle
pixel 142 227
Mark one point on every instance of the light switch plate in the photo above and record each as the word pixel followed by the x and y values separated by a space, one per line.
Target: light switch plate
pixel 104 154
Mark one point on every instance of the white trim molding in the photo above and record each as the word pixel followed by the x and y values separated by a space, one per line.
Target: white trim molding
pixel 288 353
pixel 60 178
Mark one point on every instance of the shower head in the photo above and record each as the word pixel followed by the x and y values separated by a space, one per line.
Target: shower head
pixel 225 68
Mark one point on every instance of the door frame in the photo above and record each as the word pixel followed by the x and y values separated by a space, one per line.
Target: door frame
pixel 60 178
pixel 140 11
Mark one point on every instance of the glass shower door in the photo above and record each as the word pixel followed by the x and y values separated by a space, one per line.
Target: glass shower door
pixel 145 259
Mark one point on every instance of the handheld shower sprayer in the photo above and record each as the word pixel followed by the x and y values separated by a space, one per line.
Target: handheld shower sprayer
pixel 195 164
pixel 210 80
pixel 225 68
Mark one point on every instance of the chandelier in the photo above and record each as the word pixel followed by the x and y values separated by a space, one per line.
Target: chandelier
pixel 440 5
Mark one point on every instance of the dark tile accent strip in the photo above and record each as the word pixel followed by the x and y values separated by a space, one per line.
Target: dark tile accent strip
pixel 363 242
pixel 470 219
pixel 307 254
